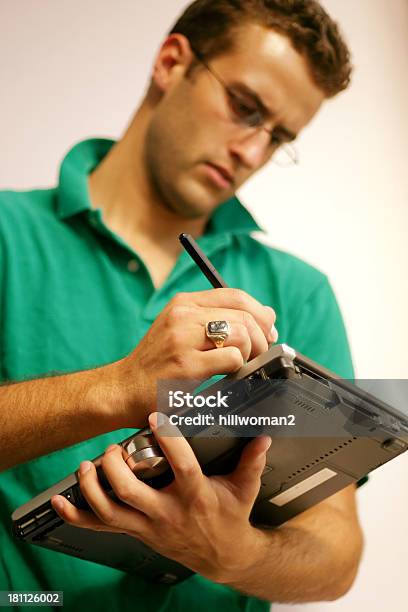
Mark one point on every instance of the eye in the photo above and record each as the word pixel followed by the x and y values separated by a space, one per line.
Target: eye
pixel 243 110
pixel 277 140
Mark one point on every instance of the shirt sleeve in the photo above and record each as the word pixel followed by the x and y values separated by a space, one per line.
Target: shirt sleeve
pixel 318 332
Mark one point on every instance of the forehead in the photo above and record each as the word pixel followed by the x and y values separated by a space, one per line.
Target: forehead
pixel 267 62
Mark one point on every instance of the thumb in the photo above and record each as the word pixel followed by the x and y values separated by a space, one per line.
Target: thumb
pixel 247 474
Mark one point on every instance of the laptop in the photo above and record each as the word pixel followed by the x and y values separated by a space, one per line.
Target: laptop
pixel 327 434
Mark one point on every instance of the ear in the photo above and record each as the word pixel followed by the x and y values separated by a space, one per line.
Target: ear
pixel 172 61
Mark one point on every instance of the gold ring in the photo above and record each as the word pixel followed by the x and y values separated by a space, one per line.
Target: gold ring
pixel 218 332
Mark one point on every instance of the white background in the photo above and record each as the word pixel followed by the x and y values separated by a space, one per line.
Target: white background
pixel 77 68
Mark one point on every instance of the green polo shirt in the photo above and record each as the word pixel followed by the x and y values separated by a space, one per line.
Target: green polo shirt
pixel 73 295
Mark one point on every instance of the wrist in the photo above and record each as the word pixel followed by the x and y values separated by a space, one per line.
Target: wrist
pixel 122 395
pixel 106 397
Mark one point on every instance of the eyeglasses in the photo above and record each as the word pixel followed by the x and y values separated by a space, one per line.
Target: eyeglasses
pixel 247 114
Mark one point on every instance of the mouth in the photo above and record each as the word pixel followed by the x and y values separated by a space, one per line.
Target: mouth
pixel 219 175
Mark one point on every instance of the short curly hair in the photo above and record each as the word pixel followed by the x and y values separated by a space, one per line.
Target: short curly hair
pixel 210 25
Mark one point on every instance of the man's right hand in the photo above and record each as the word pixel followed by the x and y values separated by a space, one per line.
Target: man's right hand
pixel 46 414
pixel 176 346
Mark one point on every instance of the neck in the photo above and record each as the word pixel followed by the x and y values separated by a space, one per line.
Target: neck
pixel 131 207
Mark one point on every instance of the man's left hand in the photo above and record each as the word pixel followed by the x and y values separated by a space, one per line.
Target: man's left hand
pixel 201 522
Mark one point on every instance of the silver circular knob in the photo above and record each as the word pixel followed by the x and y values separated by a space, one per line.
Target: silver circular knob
pixel 144 457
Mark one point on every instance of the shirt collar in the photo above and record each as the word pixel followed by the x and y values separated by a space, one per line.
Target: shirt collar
pixel 231 217
pixel 81 160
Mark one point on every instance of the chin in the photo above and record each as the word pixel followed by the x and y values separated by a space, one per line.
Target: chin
pixel 187 210
pixel 198 202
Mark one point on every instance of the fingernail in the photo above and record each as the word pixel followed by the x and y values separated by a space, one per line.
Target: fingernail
pixel 84 467
pixel 274 334
pixel 58 504
pixel 153 420
pixel 268 442
pixel 111 448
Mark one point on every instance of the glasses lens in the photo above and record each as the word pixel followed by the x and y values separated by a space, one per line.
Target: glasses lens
pixel 243 113
pixel 286 156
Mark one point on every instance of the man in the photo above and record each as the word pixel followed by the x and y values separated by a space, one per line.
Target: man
pixel 92 269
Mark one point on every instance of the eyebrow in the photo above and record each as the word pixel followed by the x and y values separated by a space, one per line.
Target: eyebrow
pixel 290 136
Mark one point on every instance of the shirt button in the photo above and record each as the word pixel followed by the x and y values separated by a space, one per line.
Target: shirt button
pixel 133 265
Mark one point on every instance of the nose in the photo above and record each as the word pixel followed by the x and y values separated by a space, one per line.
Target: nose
pixel 251 149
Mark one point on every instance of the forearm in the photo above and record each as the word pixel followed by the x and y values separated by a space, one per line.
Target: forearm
pixel 298 563
pixel 43 415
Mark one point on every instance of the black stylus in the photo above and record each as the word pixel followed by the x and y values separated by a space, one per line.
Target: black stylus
pixel 202 261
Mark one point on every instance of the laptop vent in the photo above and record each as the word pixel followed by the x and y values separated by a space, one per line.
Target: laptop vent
pixel 309 407
pixel 76 549
pixel 322 458
pixel 302 404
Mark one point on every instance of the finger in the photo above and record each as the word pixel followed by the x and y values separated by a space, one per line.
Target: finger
pixel 274 335
pixel 79 518
pixel 189 329
pixel 234 299
pixel 240 322
pixel 126 486
pixel 219 361
pixel 240 338
pixel 108 511
pixel 247 474
pixel 186 469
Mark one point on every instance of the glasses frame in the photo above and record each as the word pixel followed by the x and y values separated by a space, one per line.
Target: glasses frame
pixel 287 148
